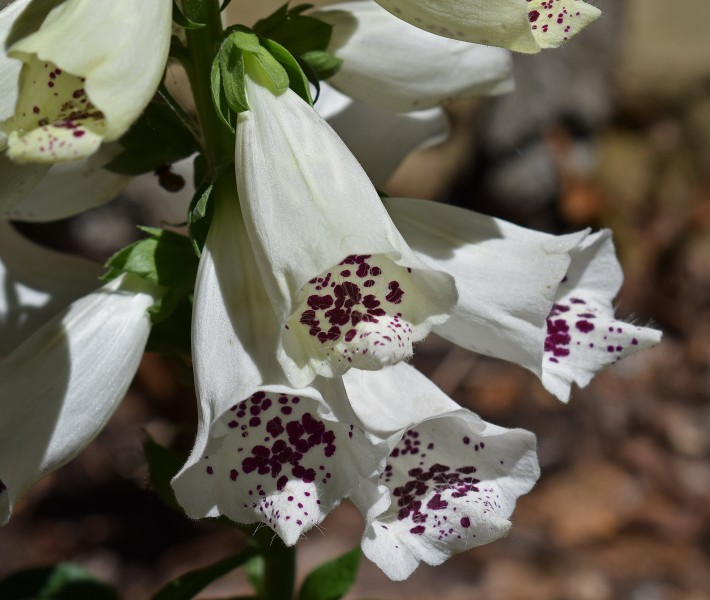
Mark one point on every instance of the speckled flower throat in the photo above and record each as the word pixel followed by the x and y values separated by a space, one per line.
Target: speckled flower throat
pixel 55 120
pixel 356 315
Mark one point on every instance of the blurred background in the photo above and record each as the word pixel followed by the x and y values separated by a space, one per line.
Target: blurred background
pixel 611 131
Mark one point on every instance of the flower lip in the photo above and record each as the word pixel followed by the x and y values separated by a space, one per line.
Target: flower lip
pixel 281 457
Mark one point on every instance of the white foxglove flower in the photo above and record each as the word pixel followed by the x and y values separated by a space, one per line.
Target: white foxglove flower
pixel 451 481
pixel 35 284
pixel 265 452
pixel 583 336
pixel 380 139
pixel 391 65
pixel 346 288
pixel 60 387
pixel 80 85
pixel 521 25
pixel 511 302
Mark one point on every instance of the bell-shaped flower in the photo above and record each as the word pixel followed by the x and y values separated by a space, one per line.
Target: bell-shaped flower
pixel 346 288
pixel 520 25
pixel 265 451
pixel 583 336
pixel 380 139
pixel 511 302
pixel 59 388
pixel 451 481
pixel 80 84
pixel 391 65
pixel 35 284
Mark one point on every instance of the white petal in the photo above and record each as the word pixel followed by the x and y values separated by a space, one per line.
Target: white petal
pixel 391 65
pixel 521 25
pixel 9 67
pixel 506 275
pixel 451 482
pixel 36 283
pixel 16 181
pixel 61 386
pixel 345 286
pixel 89 71
pixel 583 336
pixel 380 139
pixel 69 189
pixel 264 452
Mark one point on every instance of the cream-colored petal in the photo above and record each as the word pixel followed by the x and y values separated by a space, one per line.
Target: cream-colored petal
pixel 89 71
pixel 392 65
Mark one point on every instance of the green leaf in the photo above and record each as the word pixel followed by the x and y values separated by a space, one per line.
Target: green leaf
pixel 300 33
pixel 164 258
pixel 332 580
pixel 268 23
pixel 231 65
pixel 63 581
pixel 159 137
pixel 163 465
pixel 182 20
pixel 219 98
pixel 225 4
pixel 199 216
pixel 323 63
pixel 255 574
pixel 298 81
pixel 190 584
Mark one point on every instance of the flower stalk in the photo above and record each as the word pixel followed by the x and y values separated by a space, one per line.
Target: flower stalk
pixel 202 46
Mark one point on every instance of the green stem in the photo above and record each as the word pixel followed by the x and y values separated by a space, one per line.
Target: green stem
pixel 279 567
pixel 202 46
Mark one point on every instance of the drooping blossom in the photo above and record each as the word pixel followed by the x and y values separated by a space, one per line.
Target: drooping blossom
pixel 62 384
pixel 394 66
pixel 542 301
pixel 451 480
pixel 520 25
pixel 72 97
pixel 265 451
pixel 347 290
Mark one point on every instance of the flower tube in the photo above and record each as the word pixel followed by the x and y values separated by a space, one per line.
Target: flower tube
pixel 542 301
pixel 265 451
pixel 77 92
pixel 451 479
pixel 391 65
pixel 520 25
pixel 61 386
pixel 346 288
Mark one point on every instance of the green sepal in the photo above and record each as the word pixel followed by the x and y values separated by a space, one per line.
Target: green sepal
pixel 243 38
pixel 182 20
pixel 298 81
pixel 163 465
pixel 63 581
pixel 332 580
pixel 164 258
pixel 323 63
pixel 231 65
pixel 189 585
pixel 160 136
pixel 199 216
pixel 273 70
pixel 219 98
